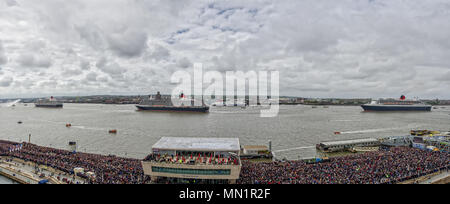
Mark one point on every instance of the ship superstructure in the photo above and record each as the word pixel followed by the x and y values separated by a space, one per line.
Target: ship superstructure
pixel 48 103
pixel 161 103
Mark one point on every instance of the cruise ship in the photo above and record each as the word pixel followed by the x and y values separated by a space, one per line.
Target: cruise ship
pixel 160 103
pixel 49 103
pixel 401 104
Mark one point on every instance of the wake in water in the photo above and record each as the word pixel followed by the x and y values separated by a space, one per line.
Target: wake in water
pixel 73 126
pixel 296 148
pixel 380 130
pixel 90 128
pixel 9 104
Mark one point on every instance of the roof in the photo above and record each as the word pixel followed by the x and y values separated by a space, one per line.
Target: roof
pixel 345 142
pixel 198 144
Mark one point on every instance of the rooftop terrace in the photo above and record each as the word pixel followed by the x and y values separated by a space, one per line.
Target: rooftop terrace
pixel 198 144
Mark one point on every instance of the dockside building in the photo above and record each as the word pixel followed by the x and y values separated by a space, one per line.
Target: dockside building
pixel 194 160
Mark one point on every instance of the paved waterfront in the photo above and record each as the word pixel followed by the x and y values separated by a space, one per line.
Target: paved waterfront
pixel 4 180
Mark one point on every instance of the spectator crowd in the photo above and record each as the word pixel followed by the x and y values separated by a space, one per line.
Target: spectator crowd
pixel 381 167
pixel 107 169
pixel 390 165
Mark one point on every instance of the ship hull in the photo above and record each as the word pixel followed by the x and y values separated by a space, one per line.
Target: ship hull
pixel 49 105
pixel 173 109
pixel 385 108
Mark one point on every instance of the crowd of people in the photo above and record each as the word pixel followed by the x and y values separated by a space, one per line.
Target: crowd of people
pixel 390 165
pixel 194 160
pixel 106 169
pixel 381 167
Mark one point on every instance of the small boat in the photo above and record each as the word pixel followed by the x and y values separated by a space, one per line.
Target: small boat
pixel 113 132
pixel 68 125
pixel 337 133
pixel 19 122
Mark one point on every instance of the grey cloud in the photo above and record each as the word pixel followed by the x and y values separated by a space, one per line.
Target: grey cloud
pixel 92 34
pixel 29 60
pixel 26 83
pixel 184 63
pixel 102 79
pixel 52 84
pixel 128 44
pixel 113 69
pixel 70 72
pixel 157 53
pixel 11 3
pixel 101 63
pixel 85 65
pixel 6 81
pixel 3 58
pixel 92 76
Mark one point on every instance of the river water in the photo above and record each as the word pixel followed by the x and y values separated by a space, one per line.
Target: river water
pixel 294 132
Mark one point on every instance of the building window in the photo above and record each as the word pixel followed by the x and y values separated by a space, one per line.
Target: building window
pixel 192 171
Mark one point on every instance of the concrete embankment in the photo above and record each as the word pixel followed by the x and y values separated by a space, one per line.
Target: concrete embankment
pixel 16 175
pixel 29 173
pixel 441 177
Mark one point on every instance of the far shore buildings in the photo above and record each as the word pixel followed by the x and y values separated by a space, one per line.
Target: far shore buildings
pixel 194 160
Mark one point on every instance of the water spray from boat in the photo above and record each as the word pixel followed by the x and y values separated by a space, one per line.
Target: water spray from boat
pixel 10 103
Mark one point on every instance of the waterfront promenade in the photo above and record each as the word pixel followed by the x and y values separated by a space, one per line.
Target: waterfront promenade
pixel 386 166
pixel 5 180
pixel 27 172
pixel 62 163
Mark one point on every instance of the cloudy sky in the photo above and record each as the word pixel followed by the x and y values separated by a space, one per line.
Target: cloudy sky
pixel 326 48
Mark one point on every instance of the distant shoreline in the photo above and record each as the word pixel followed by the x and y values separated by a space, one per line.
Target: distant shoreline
pixel 283 104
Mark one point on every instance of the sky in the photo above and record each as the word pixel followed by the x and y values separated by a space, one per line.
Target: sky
pixel 321 48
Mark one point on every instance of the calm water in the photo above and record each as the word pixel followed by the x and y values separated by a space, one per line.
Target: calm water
pixel 293 133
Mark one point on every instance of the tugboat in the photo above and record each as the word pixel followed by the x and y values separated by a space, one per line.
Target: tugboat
pixel 401 104
pixel 159 103
pixel 49 103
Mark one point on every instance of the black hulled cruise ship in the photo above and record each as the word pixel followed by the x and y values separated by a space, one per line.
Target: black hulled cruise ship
pixel 160 103
pixel 49 103
pixel 397 105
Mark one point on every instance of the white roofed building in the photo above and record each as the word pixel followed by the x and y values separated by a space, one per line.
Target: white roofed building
pixel 194 160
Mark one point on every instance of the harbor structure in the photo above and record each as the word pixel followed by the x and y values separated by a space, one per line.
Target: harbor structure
pixel 256 152
pixel 194 160
pixel 334 146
